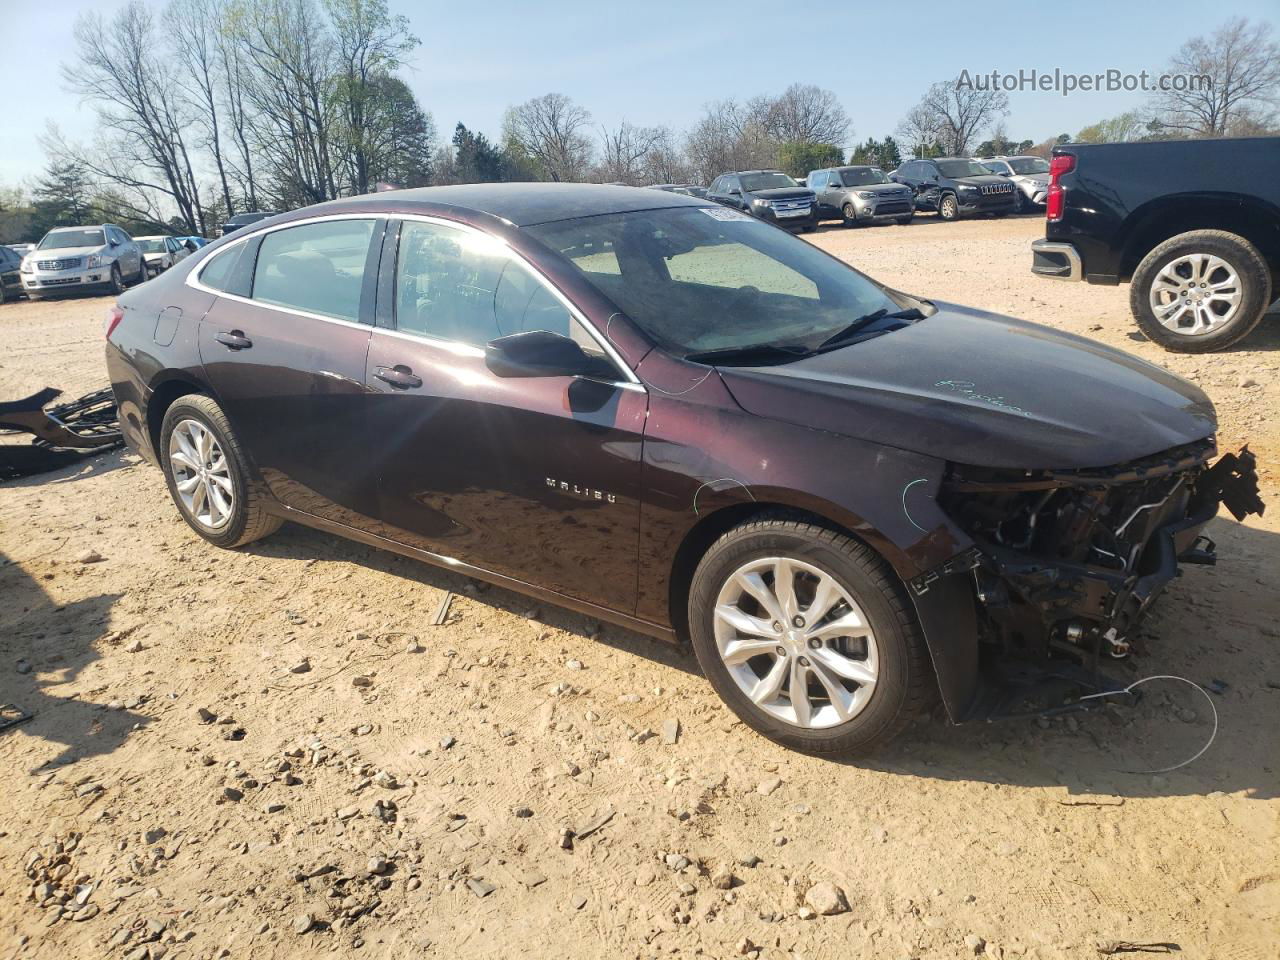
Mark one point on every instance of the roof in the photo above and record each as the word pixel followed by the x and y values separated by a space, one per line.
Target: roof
pixel 525 204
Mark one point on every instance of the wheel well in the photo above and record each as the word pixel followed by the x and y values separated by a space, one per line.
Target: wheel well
pixel 708 530
pixel 1259 226
pixel 161 400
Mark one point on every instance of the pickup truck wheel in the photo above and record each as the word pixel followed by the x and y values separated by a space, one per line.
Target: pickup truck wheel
pixel 808 636
pixel 948 208
pixel 1200 291
pixel 850 215
pixel 208 474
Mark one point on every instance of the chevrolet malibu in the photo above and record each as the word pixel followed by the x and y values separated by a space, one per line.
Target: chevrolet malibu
pixel 663 413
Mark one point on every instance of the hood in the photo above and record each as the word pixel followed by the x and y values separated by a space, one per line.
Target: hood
pixel 986 181
pixel 150 257
pixel 782 193
pixel 1040 178
pixel 64 253
pixel 893 188
pixel 976 388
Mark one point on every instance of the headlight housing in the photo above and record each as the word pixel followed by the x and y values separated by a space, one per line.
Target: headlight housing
pixel 93 260
pixel 761 201
pixel 966 188
pixel 26 266
pixel 866 195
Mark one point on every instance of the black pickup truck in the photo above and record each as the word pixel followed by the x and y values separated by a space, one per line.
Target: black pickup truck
pixel 1193 225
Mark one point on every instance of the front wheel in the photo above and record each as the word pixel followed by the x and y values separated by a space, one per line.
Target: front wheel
pixel 849 215
pixel 208 475
pixel 1200 291
pixel 808 637
pixel 948 207
pixel 117 280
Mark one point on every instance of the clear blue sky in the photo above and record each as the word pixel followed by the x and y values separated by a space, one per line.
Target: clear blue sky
pixel 659 62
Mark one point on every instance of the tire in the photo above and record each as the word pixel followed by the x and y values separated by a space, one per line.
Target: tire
pixel 903 686
pixel 1020 202
pixel 1238 259
pixel 948 207
pixel 116 284
pixel 849 215
pixel 903 221
pixel 246 519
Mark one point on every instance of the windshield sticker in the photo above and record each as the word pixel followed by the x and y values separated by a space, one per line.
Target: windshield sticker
pixel 723 213
pixel 969 389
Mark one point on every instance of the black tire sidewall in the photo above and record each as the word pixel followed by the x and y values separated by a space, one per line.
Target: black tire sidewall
pixel 117 280
pixel 185 409
pixel 882 716
pixel 1249 266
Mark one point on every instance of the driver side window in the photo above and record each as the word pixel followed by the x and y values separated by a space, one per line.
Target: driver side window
pixel 457 285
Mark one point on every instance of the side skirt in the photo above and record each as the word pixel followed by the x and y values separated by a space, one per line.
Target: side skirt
pixel 658 632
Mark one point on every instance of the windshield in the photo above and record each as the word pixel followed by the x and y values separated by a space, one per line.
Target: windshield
pixel 962 168
pixel 698 279
pixel 766 181
pixel 862 176
pixel 62 239
pixel 155 245
pixel 1026 165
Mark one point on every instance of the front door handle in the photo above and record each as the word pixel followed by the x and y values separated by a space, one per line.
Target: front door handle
pixel 235 339
pixel 398 376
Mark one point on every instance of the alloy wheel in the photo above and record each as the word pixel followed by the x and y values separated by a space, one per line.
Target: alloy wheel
pixel 201 474
pixel 795 642
pixel 948 208
pixel 1195 294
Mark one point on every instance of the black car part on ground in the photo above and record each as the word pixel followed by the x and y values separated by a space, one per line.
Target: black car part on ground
pixel 60 434
pixel 1067 563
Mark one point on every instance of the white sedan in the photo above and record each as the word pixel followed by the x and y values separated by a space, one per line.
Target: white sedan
pixel 161 253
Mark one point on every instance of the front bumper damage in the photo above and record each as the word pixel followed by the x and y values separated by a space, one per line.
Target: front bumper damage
pixel 59 434
pixel 1066 564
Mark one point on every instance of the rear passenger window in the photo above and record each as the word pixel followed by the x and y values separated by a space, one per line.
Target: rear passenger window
pixel 216 273
pixel 456 285
pixel 318 268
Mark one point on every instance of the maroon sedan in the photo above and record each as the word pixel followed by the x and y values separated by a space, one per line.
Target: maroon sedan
pixel 672 416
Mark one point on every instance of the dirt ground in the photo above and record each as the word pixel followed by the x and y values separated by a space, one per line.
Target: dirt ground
pixel 407 795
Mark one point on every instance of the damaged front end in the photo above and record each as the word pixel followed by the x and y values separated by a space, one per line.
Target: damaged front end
pixel 59 434
pixel 1068 562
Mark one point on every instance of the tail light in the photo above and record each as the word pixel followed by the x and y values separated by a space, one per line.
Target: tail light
pixel 1055 200
pixel 114 316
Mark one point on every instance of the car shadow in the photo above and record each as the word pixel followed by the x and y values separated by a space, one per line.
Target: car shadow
pixel 93 465
pixel 295 541
pixel 1210 628
pixel 55 642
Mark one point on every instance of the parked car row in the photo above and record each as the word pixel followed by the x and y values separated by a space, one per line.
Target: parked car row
pixel 87 259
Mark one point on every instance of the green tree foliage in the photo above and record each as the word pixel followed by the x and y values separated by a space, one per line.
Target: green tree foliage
pixel 798 158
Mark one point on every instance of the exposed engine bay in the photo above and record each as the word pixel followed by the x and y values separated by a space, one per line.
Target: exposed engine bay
pixel 1069 562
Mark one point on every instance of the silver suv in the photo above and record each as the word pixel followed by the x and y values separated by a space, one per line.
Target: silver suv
pixel 860 194
pixel 80 259
pixel 1029 174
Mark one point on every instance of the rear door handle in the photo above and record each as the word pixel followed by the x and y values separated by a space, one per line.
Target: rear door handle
pixel 398 376
pixel 234 339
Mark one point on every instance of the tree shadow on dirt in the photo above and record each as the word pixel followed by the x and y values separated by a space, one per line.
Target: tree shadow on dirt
pixel 57 642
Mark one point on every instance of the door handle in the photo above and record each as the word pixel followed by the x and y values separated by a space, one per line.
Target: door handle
pixel 234 339
pixel 398 376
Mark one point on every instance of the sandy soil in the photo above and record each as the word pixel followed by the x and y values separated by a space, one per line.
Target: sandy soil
pixel 408 794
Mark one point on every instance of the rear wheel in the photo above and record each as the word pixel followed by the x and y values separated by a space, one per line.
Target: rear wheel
pixel 948 207
pixel 808 637
pixel 208 474
pixel 1200 291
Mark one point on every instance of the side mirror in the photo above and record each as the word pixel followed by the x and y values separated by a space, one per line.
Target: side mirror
pixel 112 241
pixel 540 353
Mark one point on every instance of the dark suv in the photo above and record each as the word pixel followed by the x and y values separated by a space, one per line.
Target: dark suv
pixel 957 187
pixel 242 220
pixel 768 194
pixel 666 414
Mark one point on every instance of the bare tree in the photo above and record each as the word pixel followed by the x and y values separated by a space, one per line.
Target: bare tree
pixel 626 152
pixel 549 130
pixel 289 67
pixel 1242 63
pixel 953 115
pixel 730 136
pixel 191 25
pixel 370 43
pixel 139 108
pixel 804 113
pixel 919 129
pixel 666 162
pixel 236 108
